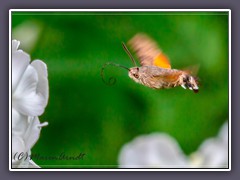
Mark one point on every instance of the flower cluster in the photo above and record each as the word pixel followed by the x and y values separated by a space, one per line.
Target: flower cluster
pixel 159 150
pixel 29 99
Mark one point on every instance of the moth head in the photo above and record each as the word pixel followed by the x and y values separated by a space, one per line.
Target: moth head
pixel 133 73
pixel 190 82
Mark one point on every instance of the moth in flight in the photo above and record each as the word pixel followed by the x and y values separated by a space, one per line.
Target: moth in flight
pixel 155 70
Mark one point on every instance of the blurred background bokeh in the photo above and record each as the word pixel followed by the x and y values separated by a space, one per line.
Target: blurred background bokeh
pixel 85 115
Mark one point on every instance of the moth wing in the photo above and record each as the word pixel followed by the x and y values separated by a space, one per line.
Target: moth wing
pixel 193 70
pixel 166 77
pixel 148 52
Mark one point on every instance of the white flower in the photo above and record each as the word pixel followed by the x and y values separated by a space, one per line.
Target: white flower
pixel 160 150
pixel 154 150
pixel 21 145
pixel 29 99
pixel 29 83
pixel 213 152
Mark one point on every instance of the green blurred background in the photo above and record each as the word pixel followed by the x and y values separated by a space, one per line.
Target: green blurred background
pixel 85 115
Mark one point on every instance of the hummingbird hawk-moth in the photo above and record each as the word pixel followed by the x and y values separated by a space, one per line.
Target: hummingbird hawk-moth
pixel 155 70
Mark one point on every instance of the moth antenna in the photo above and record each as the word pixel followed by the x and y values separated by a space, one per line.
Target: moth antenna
pixel 129 54
pixel 112 80
pixel 193 70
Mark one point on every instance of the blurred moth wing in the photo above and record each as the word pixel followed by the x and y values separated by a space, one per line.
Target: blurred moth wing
pixel 148 53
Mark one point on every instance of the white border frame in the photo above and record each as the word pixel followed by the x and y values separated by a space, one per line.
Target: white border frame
pixel 116 10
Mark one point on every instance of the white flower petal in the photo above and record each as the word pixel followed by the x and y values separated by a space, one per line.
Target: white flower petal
pixel 18 145
pixel 23 161
pixel 32 164
pixel 19 123
pixel 32 133
pixel 15 45
pixel 223 133
pixel 42 86
pixel 25 98
pixel 213 153
pixel 20 61
pixel 154 150
pixel 15 163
